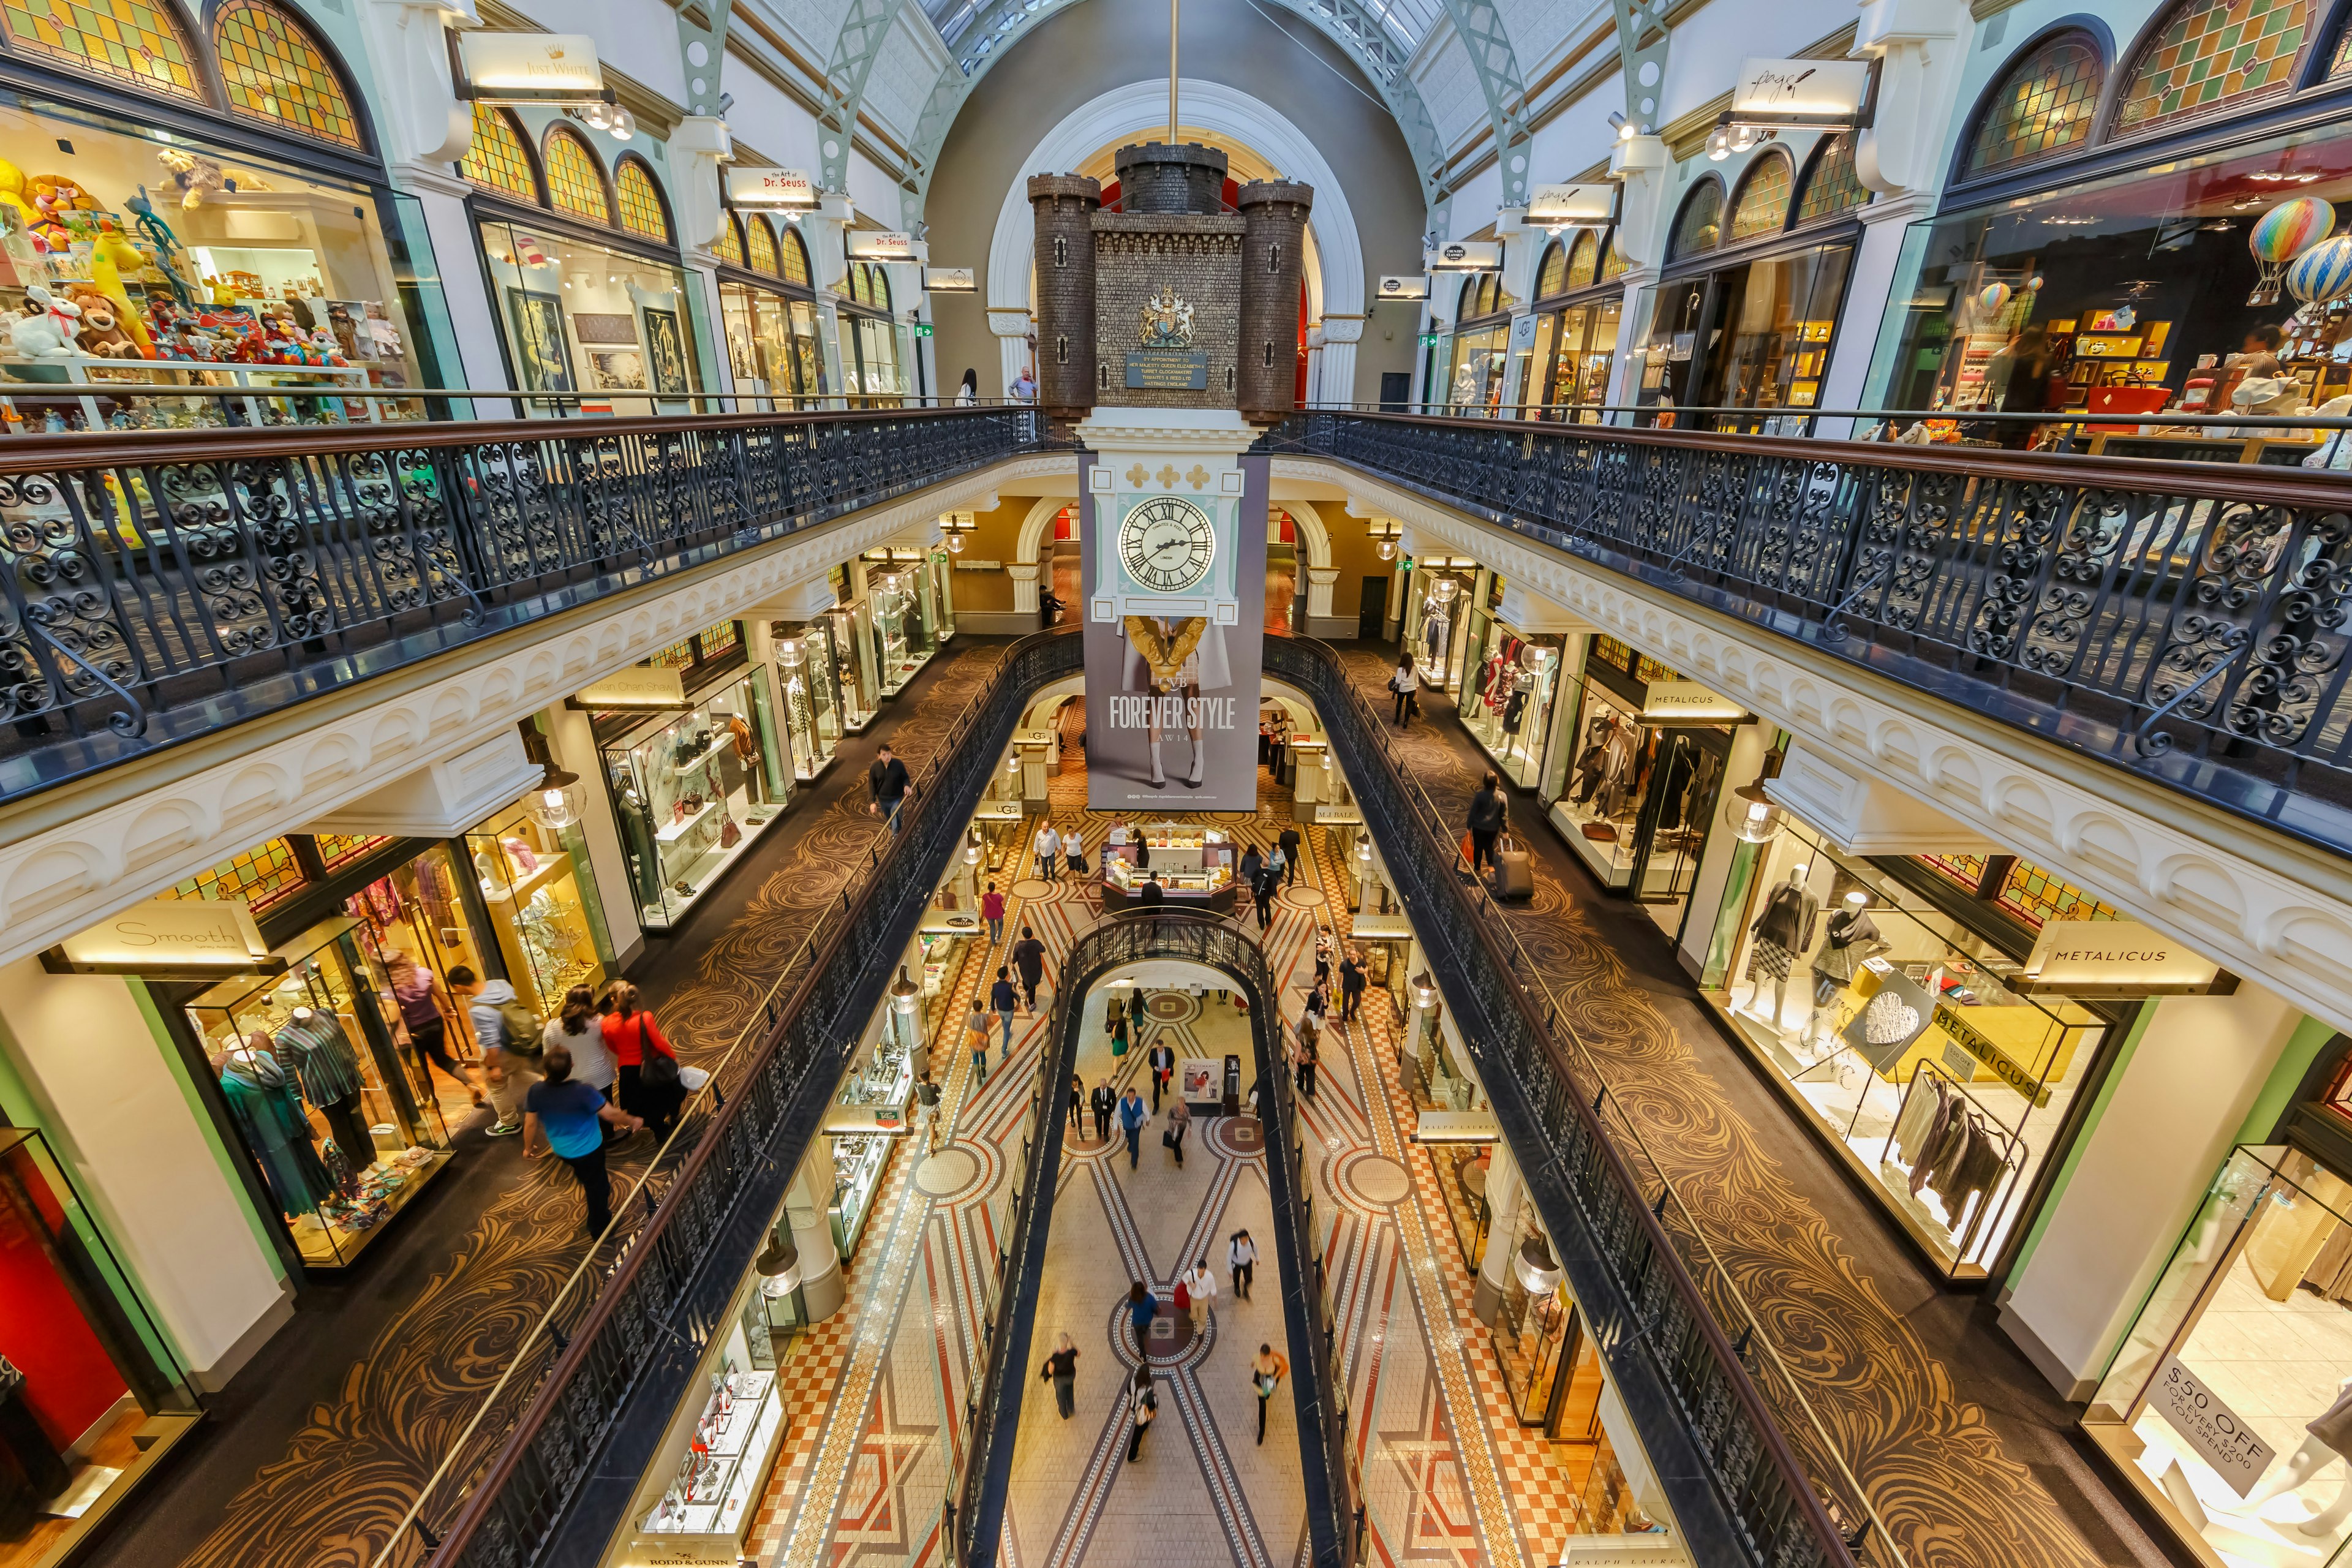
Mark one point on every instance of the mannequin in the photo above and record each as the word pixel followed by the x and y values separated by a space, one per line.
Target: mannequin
pixel 2330 1436
pixel 1850 937
pixel 262 1104
pixel 1784 929
pixel 314 1044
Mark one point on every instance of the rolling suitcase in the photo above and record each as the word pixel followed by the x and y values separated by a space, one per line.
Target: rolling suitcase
pixel 1514 878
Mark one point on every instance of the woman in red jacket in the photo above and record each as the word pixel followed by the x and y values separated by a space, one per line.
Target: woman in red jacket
pixel 634 1037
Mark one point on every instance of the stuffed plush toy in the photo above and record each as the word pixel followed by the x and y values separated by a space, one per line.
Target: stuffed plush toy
pixel 101 334
pixel 50 333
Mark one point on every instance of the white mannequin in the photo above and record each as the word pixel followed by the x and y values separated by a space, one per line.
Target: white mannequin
pixel 1755 1001
pixel 1855 902
pixel 2301 1466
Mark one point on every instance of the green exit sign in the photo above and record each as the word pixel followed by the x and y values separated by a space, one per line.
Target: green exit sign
pixel 1428 340
pixel 922 328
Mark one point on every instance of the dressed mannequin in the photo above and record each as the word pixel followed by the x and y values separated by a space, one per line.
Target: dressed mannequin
pixel 1848 938
pixel 2330 1438
pixel 315 1045
pixel 747 755
pixel 1784 929
pixel 1515 706
pixel 262 1104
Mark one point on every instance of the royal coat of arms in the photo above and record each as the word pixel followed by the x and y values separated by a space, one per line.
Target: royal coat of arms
pixel 1167 320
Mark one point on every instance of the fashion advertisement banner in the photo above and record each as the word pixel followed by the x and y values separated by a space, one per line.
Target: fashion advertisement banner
pixel 1175 600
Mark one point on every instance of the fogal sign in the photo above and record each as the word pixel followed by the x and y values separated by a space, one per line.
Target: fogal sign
pixel 1808 90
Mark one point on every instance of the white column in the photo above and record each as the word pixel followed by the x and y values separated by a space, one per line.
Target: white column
pixel 571 742
pixel 1320 582
pixel 1504 1192
pixel 1884 225
pixel 828 266
pixel 1024 587
pixel 1011 329
pixel 473 316
pixel 808 1203
pixel 1337 381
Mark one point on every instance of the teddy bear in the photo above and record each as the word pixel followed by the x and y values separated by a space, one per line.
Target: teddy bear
pixel 102 334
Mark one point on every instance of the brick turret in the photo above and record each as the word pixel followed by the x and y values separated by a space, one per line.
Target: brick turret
pixel 1064 206
pixel 1274 240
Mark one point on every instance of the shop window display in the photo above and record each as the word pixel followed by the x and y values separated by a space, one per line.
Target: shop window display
pixel 1756 334
pixel 582 318
pixel 771 342
pixel 812 695
pixel 416 908
pixel 716 1467
pixel 1436 622
pixel 847 628
pixel 540 891
pixel 1899 1032
pixel 315 1090
pixel 1583 349
pixel 1641 790
pixel 902 639
pixel 1507 695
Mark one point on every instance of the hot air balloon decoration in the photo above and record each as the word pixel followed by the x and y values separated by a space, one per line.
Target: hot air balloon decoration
pixel 2322 273
pixel 2280 234
pixel 1992 300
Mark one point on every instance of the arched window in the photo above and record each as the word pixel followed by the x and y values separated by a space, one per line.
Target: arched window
pixel 1466 304
pixel 729 247
pixel 1612 262
pixel 133 41
pixel 1761 206
pixel 576 181
pixel 795 256
pixel 877 286
pixel 2044 105
pixel 1486 294
pixel 760 244
pixel 2208 52
pixel 1583 262
pixel 640 199
pixel 499 158
pixel 1831 187
pixel 1699 226
pixel 1551 277
pixel 274 71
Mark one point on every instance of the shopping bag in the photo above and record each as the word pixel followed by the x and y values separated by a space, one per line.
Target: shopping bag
pixel 1469 847
pixel 692 1079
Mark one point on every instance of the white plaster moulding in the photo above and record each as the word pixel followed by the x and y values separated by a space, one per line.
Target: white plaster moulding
pixel 181 819
pixel 2226 887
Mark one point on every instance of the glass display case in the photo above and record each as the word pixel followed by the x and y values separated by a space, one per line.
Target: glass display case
pixel 544 912
pixel 419 909
pixel 894 625
pixel 857 1162
pixel 714 1485
pixel 1436 604
pixel 313 1082
pixel 811 694
pixel 874 1093
pixel 943 595
pixel 693 789
pixel 845 631
pixel 1640 788
pixel 1194 864
pixel 1507 695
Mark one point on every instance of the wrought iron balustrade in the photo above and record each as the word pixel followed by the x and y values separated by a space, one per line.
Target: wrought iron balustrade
pixel 2183 620
pixel 159 584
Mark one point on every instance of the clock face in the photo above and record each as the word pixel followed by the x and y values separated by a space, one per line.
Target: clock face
pixel 1167 544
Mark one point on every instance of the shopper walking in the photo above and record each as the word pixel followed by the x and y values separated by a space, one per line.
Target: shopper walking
pixel 1062 1371
pixel 1252 864
pixel 1240 1259
pixel 1262 891
pixel 1267 1369
pixel 1003 998
pixel 926 1108
pixel 1104 1100
pixel 1141 1307
pixel 1074 850
pixel 1488 811
pixel 992 910
pixel 1029 958
pixel 1146 1404
pixel 1179 1122
pixel 1278 865
pixel 886 784
pixel 1200 1287
pixel 1077 1104
pixel 417 991
pixel 1401 687
pixel 508 1033
pixel 1304 1057
pixel 975 1040
pixel 569 1118
pixel 1118 1036
pixel 1352 982
pixel 648 1076
pixel 1131 1117
pixel 1048 844
pixel 1162 1063
pixel 1288 845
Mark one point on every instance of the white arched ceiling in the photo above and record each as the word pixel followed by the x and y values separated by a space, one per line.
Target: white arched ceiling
pixel 1233 119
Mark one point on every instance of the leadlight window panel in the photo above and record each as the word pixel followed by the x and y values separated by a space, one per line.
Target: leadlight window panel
pixel 2044 105
pixel 2342 63
pixel 1612 262
pixel 760 245
pixel 2211 52
pixel 730 242
pixel 1551 277
pixel 274 72
pixel 263 875
pixel 499 158
pixel 1466 305
pixel 1699 226
pixel 2037 897
pixel 794 252
pixel 134 42
pixel 717 640
pixel 1583 262
pixel 1761 206
pixel 677 656
pixel 339 849
pixel 1834 186
pixel 1968 871
pixel 877 286
pixel 641 206
pixel 576 181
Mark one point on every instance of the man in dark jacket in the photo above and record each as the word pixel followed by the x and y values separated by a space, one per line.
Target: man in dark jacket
pixel 1152 894
pixel 887 781
pixel 1289 842
pixel 1102 1101
pixel 1487 812
pixel 1029 958
pixel 1162 1063
pixel 1263 890
pixel 1246 872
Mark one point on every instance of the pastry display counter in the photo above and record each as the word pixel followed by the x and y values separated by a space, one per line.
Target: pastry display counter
pixel 1194 864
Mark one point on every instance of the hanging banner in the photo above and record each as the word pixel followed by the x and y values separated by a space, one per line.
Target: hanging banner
pixel 2116 958
pixel 638 686
pixel 951 281
pixel 881 244
pixel 788 188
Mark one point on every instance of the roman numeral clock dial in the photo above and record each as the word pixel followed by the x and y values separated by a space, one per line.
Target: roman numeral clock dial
pixel 1167 544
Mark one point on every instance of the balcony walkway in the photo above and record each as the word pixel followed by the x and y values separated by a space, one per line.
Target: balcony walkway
pixel 1967 1452
pixel 320 1445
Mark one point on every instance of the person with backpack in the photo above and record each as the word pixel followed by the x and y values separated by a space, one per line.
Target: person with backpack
pixel 1062 1371
pixel 508 1033
pixel 568 1117
pixel 1241 1258
pixel 1291 854
pixel 648 1075
pixel 975 1040
pixel 1201 1294
pixel 1267 1369
pixel 1145 1405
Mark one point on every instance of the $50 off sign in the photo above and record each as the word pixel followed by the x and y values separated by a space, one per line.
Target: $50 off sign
pixel 2214 1430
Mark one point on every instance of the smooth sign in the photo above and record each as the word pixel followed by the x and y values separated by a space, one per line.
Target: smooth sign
pixel 2211 1427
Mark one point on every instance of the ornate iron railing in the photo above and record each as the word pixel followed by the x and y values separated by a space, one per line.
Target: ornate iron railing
pixel 572 1378
pixel 2183 620
pixel 1319 1388
pixel 159 584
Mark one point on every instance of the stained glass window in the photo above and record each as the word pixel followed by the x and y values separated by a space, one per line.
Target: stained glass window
pixel 499 158
pixel 1762 206
pixel 677 656
pixel 337 849
pixel 1968 871
pixel 1465 304
pixel 729 247
pixel 2037 897
pixel 758 244
pixel 641 207
pixel 1832 187
pixel 136 41
pixel 1551 277
pixel 1612 262
pixel 794 253
pixel 575 182
pixel 719 639
pixel 2044 105
pixel 2211 52
pixel 273 72
pixel 1583 263
pixel 1700 223
pixel 2342 63
pixel 878 288
pixel 263 875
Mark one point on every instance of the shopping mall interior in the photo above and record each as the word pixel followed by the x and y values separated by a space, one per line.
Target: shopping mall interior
pixel 1260 782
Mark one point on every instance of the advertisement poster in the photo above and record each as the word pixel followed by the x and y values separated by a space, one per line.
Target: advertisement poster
pixel 1175 619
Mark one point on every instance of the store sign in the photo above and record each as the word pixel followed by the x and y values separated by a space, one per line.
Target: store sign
pixel 1464 256
pixel 2116 958
pixel 1555 205
pixel 881 244
pixel 1456 1127
pixel 1667 703
pixel 638 686
pixel 964 565
pixel 1413 286
pixel 180 939
pixel 1523 331
pixel 1981 1048
pixel 2221 1437
pixel 534 67
pixel 951 281
pixel 1824 89
pixel 791 188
